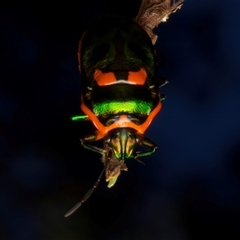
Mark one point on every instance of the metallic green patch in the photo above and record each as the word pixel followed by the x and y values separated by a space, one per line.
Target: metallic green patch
pixel 131 107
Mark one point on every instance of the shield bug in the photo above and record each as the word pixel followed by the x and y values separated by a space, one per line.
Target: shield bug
pixel 119 92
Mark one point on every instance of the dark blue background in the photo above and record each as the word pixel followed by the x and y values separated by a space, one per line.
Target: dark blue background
pixel 189 189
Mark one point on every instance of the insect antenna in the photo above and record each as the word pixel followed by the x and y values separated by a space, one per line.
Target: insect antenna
pixel 87 195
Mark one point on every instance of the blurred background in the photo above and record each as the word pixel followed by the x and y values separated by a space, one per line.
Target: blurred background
pixel 189 189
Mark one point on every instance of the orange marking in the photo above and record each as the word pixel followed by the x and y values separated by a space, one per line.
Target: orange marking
pixel 123 122
pixel 138 77
pixel 104 79
pixel 134 78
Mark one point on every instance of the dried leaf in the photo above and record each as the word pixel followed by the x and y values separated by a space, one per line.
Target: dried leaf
pixel 153 12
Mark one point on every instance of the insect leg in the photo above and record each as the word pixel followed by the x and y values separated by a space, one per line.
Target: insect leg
pixel 91 138
pixel 79 117
pixel 146 143
pixel 162 81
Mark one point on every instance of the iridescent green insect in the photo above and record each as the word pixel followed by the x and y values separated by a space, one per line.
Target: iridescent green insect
pixel 120 92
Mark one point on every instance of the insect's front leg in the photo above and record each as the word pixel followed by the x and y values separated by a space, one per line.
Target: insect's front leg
pixel 143 141
pixel 91 138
